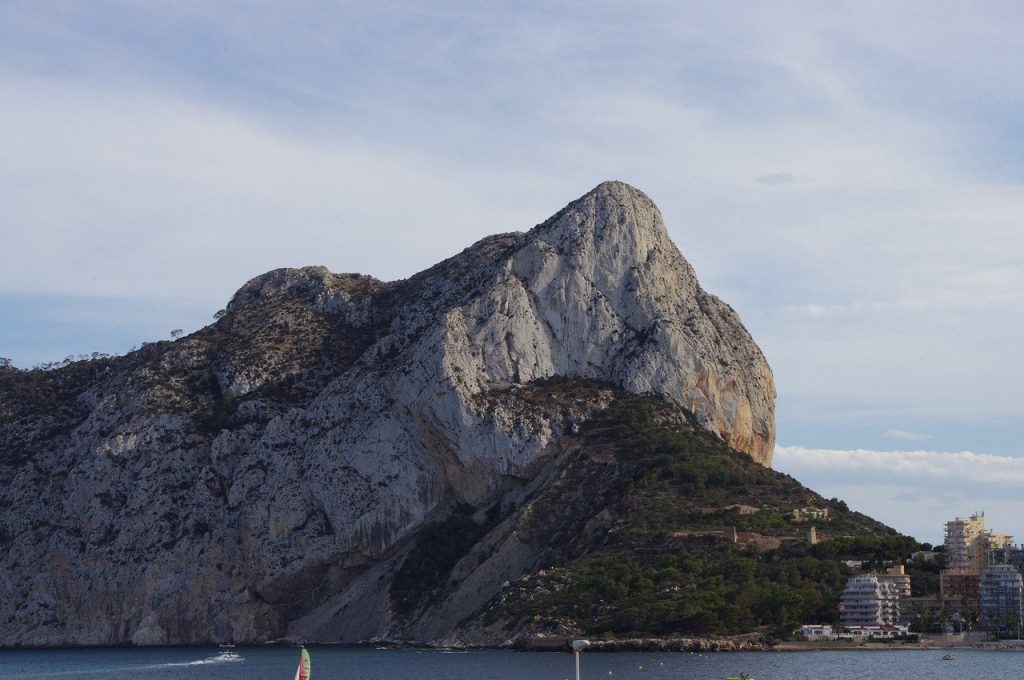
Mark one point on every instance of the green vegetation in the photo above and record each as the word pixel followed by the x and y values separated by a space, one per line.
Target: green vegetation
pixel 704 586
pixel 667 565
pixel 924 575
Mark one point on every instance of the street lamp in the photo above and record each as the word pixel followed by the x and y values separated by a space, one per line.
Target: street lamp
pixel 577 647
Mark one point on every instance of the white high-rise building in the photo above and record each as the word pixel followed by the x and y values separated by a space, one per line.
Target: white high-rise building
pixel 866 601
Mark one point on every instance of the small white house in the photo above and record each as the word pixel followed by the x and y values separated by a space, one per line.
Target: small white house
pixel 817 632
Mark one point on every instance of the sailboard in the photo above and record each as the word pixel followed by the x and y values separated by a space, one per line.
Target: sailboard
pixel 302 672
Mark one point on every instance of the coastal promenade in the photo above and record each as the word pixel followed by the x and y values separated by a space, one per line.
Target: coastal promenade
pixel 926 642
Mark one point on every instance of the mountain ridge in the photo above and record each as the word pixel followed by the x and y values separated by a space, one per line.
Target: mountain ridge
pixel 149 486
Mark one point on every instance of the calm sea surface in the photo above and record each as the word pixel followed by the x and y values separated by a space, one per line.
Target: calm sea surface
pixel 341 663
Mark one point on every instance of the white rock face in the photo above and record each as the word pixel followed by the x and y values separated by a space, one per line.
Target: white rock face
pixel 185 500
pixel 601 292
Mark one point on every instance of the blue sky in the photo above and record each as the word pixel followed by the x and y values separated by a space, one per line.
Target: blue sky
pixel 848 176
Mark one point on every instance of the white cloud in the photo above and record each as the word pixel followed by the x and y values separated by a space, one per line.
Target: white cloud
pixel 978 289
pixel 909 436
pixel 141 193
pixel 914 491
pixel 966 466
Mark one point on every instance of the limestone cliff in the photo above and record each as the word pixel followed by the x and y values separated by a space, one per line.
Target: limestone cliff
pixel 255 479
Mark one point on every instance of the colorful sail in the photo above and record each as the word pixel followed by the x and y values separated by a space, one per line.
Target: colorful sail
pixel 302 672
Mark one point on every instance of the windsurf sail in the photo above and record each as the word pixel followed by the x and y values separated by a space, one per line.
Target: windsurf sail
pixel 302 672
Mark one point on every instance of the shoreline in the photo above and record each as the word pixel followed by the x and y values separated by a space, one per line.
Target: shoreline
pixel 936 645
pixel 840 646
pixel 750 642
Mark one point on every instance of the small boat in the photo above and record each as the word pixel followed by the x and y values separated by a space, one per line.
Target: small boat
pixel 949 657
pixel 302 672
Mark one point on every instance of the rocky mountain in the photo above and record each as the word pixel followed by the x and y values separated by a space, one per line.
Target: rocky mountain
pixel 650 527
pixel 310 465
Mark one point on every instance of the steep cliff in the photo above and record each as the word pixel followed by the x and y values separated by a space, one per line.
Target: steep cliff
pixel 267 474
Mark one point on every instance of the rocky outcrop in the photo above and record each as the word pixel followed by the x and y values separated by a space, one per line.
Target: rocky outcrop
pixel 257 478
pixel 736 643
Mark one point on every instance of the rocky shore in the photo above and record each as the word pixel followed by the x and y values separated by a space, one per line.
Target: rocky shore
pixel 752 642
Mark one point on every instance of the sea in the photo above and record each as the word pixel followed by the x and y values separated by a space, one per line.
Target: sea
pixel 359 663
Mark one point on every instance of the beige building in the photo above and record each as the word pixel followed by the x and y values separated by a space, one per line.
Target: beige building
pixel 963 538
pixel 968 544
pixel 969 547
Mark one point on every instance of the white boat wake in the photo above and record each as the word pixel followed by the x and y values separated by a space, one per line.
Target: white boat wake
pixel 226 656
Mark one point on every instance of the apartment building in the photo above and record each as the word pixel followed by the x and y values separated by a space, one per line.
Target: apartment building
pixel 969 548
pixel 1001 590
pixel 867 601
pixel 898 578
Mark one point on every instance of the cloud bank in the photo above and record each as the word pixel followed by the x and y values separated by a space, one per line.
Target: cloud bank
pixel 915 492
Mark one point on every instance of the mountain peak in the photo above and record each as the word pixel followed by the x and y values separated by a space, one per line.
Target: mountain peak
pixel 611 206
pixel 262 476
pixel 617 190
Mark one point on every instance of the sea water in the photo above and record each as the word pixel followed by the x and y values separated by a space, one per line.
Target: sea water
pixel 354 663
